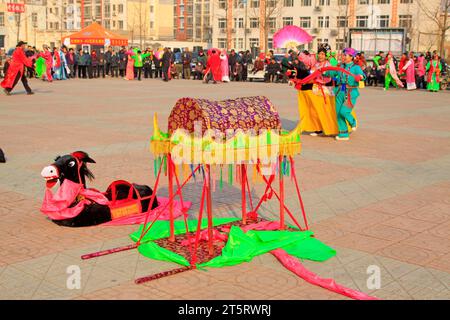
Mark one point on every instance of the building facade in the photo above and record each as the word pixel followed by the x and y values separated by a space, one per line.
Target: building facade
pixel 192 20
pixel 247 24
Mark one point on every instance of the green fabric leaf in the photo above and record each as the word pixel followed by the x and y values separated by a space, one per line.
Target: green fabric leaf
pixel 153 251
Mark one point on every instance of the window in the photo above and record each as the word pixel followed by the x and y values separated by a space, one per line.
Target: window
pixel 321 41
pixel 222 42
pixel 383 21
pixel 222 4
pixel 238 4
pixel 272 23
pixel 2 39
pixel 56 25
pixel 362 21
pixel 405 20
pixel 271 3
pixel 98 11
pixel 107 24
pixel 323 22
pixel 306 3
pixel 406 1
pixel 324 2
pixel 152 24
pixel 151 9
pixel 254 42
pixel 288 21
pixel 222 23
pixel 238 43
pixel 384 1
pixel 120 8
pixel 254 3
pixel 2 19
pixel 288 3
pixel 56 11
pixel 107 10
pixel 305 22
pixel 238 23
pixel 363 1
pixel 340 44
pixel 254 22
pixel 342 2
pixel 342 22
pixel 270 43
pixel 34 19
pixel 120 24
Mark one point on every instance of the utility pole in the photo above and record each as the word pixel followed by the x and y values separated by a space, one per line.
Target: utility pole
pixel 18 26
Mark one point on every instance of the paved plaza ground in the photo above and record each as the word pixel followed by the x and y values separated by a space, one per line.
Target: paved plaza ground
pixel 382 199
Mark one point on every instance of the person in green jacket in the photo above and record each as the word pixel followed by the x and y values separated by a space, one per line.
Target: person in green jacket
pixel 138 58
pixel 433 68
pixel 346 92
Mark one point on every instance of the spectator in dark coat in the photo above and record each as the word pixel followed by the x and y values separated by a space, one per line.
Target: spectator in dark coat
pixel 273 70
pixel 70 59
pixel 122 62
pixel 114 64
pixel 93 66
pixel 232 59
pixel 108 55
pixel 166 62
pixel 101 63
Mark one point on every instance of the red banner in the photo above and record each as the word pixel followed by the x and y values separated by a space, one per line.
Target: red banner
pixel 16 7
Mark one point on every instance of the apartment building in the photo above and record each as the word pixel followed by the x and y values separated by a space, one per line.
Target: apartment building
pixel 192 20
pixel 25 25
pixel 247 24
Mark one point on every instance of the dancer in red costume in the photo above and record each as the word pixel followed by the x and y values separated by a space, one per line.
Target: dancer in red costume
pixel 16 70
pixel 213 67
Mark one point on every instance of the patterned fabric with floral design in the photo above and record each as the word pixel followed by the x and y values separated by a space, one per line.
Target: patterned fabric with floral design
pixel 248 113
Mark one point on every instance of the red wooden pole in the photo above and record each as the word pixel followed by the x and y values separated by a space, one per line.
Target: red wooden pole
pixel 161 274
pixel 172 227
pixel 243 186
pixel 280 175
pixel 294 176
pixel 209 209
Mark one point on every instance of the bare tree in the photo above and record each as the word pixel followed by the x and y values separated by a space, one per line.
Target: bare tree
pixel 439 15
pixel 266 12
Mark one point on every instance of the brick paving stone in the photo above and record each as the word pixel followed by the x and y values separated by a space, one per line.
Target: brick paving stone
pixel 380 199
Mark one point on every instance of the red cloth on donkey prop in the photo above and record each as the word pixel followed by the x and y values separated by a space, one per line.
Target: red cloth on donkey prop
pixel 16 67
pixel 213 65
pixel 74 205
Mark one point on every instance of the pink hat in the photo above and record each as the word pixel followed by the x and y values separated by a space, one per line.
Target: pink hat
pixel 350 51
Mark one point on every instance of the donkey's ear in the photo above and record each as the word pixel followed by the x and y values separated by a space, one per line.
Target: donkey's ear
pixel 83 156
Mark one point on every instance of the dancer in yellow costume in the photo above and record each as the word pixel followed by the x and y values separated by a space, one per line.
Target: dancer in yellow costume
pixel 316 101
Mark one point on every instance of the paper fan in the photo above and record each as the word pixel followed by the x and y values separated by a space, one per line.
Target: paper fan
pixel 290 37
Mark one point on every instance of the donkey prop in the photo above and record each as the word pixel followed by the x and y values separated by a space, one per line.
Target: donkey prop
pixel 74 205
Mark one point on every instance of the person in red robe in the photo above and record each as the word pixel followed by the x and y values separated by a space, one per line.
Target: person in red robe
pixel 213 67
pixel 16 70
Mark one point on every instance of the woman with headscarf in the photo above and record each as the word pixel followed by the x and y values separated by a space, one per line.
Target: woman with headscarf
pixel 47 55
pixel 129 74
pixel 391 74
pixel 224 67
pixel 420 71
pixel 408 68
pixel 434 68
pixel 346 93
